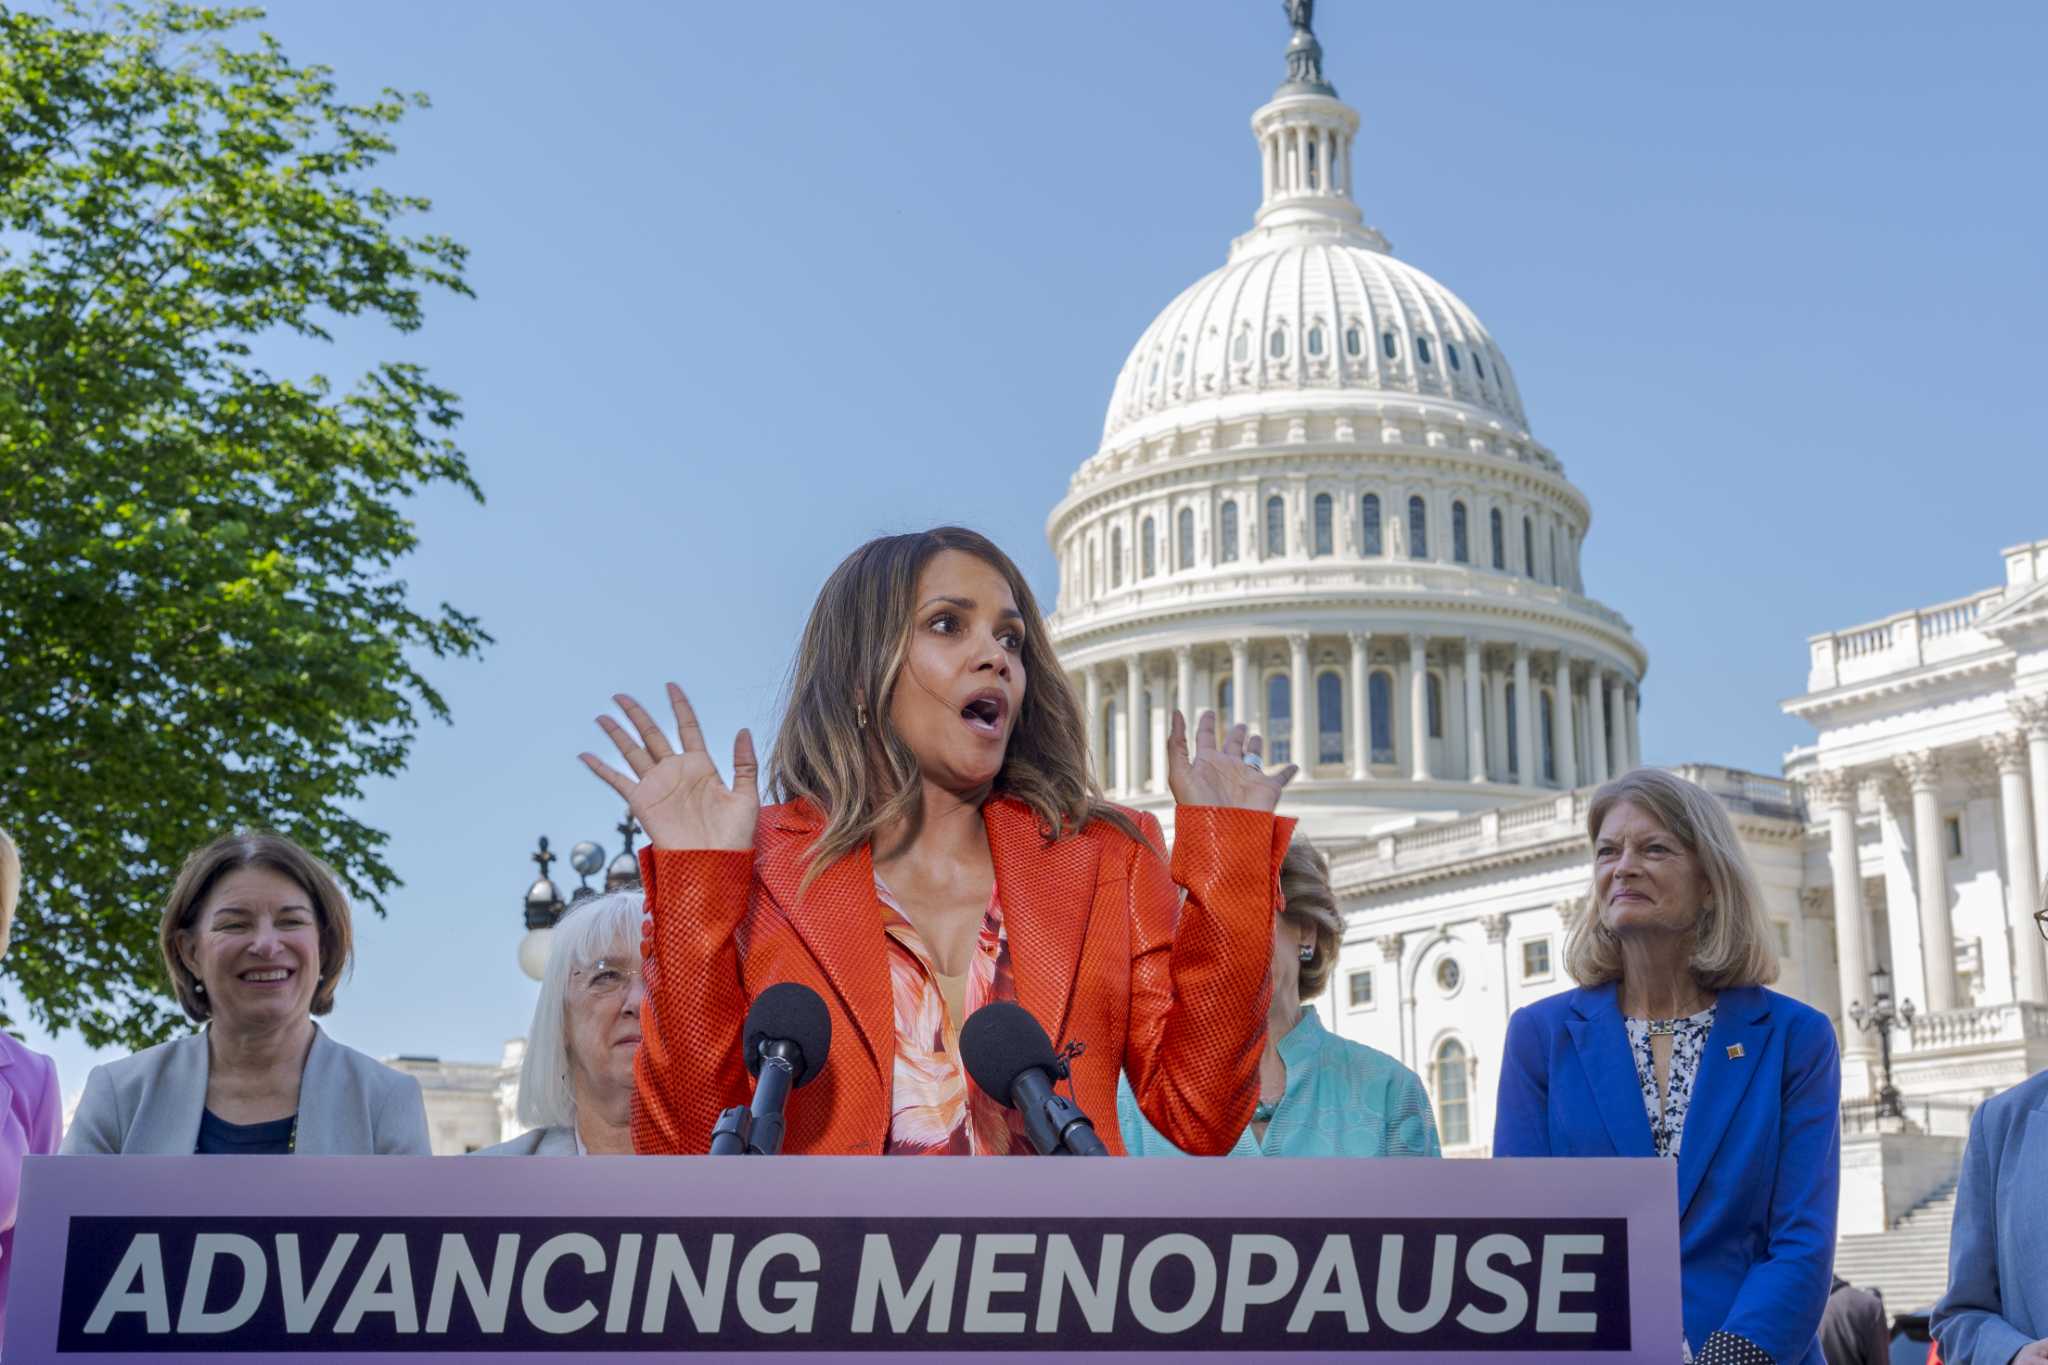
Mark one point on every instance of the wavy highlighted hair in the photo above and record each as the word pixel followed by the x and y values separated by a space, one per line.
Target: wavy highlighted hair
pixel 1731 947
pixel 854 647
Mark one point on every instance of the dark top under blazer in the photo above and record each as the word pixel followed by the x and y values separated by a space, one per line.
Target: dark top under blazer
pixel 1997 1298
pixel 1759 1168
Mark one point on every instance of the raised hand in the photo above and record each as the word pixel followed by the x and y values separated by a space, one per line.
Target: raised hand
pixel 679 798
pixel 1217 775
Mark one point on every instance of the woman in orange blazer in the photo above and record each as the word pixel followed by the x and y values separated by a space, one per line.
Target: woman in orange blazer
pixel 937 843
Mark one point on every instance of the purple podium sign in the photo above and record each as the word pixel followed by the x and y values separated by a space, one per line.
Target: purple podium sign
pixel 841 1258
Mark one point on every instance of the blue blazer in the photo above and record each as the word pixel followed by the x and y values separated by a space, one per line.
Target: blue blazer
pixel 1759 1169
pixel 1997 1298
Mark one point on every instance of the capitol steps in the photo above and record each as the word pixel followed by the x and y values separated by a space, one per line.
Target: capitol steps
pixel 1909 1263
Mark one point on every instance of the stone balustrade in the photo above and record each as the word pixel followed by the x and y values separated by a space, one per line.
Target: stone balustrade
pixel 2015 1022
pixel 1899 643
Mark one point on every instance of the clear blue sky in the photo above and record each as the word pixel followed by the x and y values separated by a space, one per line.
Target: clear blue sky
pixel 757 281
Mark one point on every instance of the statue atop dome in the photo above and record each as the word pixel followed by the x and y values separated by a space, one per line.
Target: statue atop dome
pixel 1304 53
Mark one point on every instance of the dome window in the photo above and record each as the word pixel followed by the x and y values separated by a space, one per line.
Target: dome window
pixel 1180 361
pixel 1421 349
pixel 1450 354
pixel 1528 547
pixel 1354 342
pixel 1276 344
pixel 1315 340
pixel 1241 348
pixel 1154 377
pixel 1380 692
pixel 1500 545
pixel 1461 539
pixel 1418 529
pixel 1116 556
pixel 1229 536
pixel 1324 530
pixel 1148 552
pixel 1388 346
pixel 1478 365
pixel 1279 720
pixel 1276 526
pixel 1374 543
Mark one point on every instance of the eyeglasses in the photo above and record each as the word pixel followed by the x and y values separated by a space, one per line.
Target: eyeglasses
pixel 605 977
pixel 2041 922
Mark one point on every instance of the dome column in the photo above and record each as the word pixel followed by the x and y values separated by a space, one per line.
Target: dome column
pixel 1418 708
pixel 1596 724
pixel 1561 723
pixel 1475 721
pixel 1361 718
pixel 1498 721
pixel 1157 724
pixel 1134 688
pixel 1298 688
pixel 1091 692
pixel 1184 686
pixel 1240 680
pixel 1631 709
pixel 1525 718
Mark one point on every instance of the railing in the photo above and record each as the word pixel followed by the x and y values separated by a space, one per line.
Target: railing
pixel 1905 640
pixel 1529 817
pixel 1449 834
pixel 1940 1117
pixel 1771 795
pixel 2017 1022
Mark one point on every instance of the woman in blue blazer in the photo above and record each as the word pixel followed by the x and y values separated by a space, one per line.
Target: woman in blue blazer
pixel 1671 1047
pixel 1996 1308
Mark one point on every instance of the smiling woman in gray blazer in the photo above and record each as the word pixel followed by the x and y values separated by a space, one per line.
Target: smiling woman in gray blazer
pixel 1996 1308
pixel 256 939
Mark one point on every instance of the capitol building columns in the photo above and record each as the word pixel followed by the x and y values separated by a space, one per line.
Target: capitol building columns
pixel 2008 752
pixel 1596 722
pixel 1418 708
pixel 1361 738
pixel 1834 791
pixel 1525 717
pixel 1922 771
pixel 1475 714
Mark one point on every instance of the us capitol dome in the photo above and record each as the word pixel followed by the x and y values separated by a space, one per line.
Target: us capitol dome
pixel 1318 508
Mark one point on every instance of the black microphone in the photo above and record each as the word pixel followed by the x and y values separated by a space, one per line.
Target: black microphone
pixel 787 1036
pixel 1010 1058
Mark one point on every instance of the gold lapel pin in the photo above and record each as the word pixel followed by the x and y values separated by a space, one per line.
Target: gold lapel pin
pixel 1734 1051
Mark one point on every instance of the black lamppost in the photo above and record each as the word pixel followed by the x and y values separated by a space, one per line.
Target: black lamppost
pixel 1882 1017
pixel 544 905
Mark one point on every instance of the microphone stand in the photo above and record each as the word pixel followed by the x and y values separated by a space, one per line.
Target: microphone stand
pixel 757 1130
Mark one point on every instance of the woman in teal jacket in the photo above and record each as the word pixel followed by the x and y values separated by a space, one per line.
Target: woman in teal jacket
pixel 1319 1095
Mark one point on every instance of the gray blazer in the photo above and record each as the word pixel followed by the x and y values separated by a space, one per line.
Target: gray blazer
pixel 1997 1298
pixel 149 1104
pixel 535 1142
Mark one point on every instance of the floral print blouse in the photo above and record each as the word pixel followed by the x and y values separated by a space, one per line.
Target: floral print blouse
pixel 933 1110
pixel 1688 1045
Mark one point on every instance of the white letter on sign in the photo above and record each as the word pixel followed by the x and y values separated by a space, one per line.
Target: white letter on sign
pixel 1239 1291
pixel 533 1285
pixel 1319 1295
pixel 878 1278
pixel 144 1258
pixel 302 1306
pixel 801 1298
pixel 1063 1271
pixel 1514 1300
pixel 1557 1283
pixel 671 1270
pixel 206 1248
pixel 457 1266
pixel 388 1263
pixel 1440 1272
pixel 1196 1253
pixel 984 1281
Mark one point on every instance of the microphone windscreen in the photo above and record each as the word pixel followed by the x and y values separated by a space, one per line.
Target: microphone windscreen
pixel 793 1012
pixel 1001 1041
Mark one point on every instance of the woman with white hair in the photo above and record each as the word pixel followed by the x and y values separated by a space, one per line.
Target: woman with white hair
pixel 576 1087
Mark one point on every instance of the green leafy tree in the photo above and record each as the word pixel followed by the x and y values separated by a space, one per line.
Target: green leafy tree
pixel 200 623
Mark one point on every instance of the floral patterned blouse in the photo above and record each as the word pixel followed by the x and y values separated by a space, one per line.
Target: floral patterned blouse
pixel 934 1111
pixel 1688 1044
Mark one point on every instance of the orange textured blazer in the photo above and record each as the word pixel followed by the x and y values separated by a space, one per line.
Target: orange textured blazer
pixel 1103 951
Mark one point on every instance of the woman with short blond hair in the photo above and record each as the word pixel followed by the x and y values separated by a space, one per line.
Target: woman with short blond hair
pixel 1319 1095
pixel 256 938
pixel 1672 1047
pixel 30 1102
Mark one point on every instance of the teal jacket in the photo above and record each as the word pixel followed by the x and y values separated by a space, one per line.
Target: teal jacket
pixel 1342 1099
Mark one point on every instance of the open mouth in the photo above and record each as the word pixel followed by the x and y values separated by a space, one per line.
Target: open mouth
pixel 267 976
pixel 984 713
